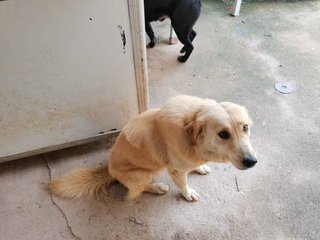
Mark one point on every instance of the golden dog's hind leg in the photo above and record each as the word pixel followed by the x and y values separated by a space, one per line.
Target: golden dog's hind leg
pixel 158 188
pixel 137 181
pixel 203 169
pixel 180 179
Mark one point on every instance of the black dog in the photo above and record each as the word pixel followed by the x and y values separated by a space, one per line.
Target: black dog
pixel 183 15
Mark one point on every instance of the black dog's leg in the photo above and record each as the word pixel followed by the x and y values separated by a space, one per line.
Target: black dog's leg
pixel 184 37
pixel 192 35
pixel 189 48
pixel 151 35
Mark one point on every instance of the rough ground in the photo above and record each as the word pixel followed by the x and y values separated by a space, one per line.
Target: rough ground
pixel 236 59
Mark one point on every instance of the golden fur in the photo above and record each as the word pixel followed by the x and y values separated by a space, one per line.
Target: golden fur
pixel 181 137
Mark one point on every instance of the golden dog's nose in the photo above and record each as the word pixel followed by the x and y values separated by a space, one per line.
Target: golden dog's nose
pixel 249 161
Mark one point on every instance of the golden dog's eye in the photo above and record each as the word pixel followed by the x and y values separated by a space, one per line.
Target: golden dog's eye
pixel 245 128
pixel 224 135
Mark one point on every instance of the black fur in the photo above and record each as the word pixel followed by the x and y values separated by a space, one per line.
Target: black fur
pixel 183 15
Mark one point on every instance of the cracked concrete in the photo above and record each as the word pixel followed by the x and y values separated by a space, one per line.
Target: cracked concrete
pixel 58 207
pixel 26 210
pixel 237 59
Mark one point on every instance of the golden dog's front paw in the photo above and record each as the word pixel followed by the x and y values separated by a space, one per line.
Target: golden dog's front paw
pixel 203 169
pixel 190 195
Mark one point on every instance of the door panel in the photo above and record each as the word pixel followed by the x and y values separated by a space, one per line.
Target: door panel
pixel 66 72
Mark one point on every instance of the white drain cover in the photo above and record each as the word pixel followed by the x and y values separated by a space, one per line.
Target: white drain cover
pixel 283 87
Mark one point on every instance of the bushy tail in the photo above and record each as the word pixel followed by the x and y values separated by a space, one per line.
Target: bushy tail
pixel 81 183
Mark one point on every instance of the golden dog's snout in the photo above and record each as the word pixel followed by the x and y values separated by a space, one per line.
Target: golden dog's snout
pixel 249 161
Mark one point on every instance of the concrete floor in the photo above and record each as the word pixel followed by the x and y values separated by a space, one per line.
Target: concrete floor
pixel 236 59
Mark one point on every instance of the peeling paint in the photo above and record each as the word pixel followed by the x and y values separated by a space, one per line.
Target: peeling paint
pixel 123 38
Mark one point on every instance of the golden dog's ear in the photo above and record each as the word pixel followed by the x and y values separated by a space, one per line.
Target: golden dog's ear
pixel 194 130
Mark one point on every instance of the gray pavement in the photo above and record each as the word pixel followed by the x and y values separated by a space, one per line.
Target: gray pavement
pixel 235 59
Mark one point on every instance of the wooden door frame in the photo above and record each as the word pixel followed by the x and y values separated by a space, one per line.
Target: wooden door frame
pixel 136 14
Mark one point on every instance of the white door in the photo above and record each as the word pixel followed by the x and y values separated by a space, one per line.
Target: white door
pixel 67 72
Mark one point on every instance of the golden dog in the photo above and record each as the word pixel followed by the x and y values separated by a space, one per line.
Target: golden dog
pixel 182 136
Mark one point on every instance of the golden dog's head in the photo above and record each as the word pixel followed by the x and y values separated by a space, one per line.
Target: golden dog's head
pixel 220 132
